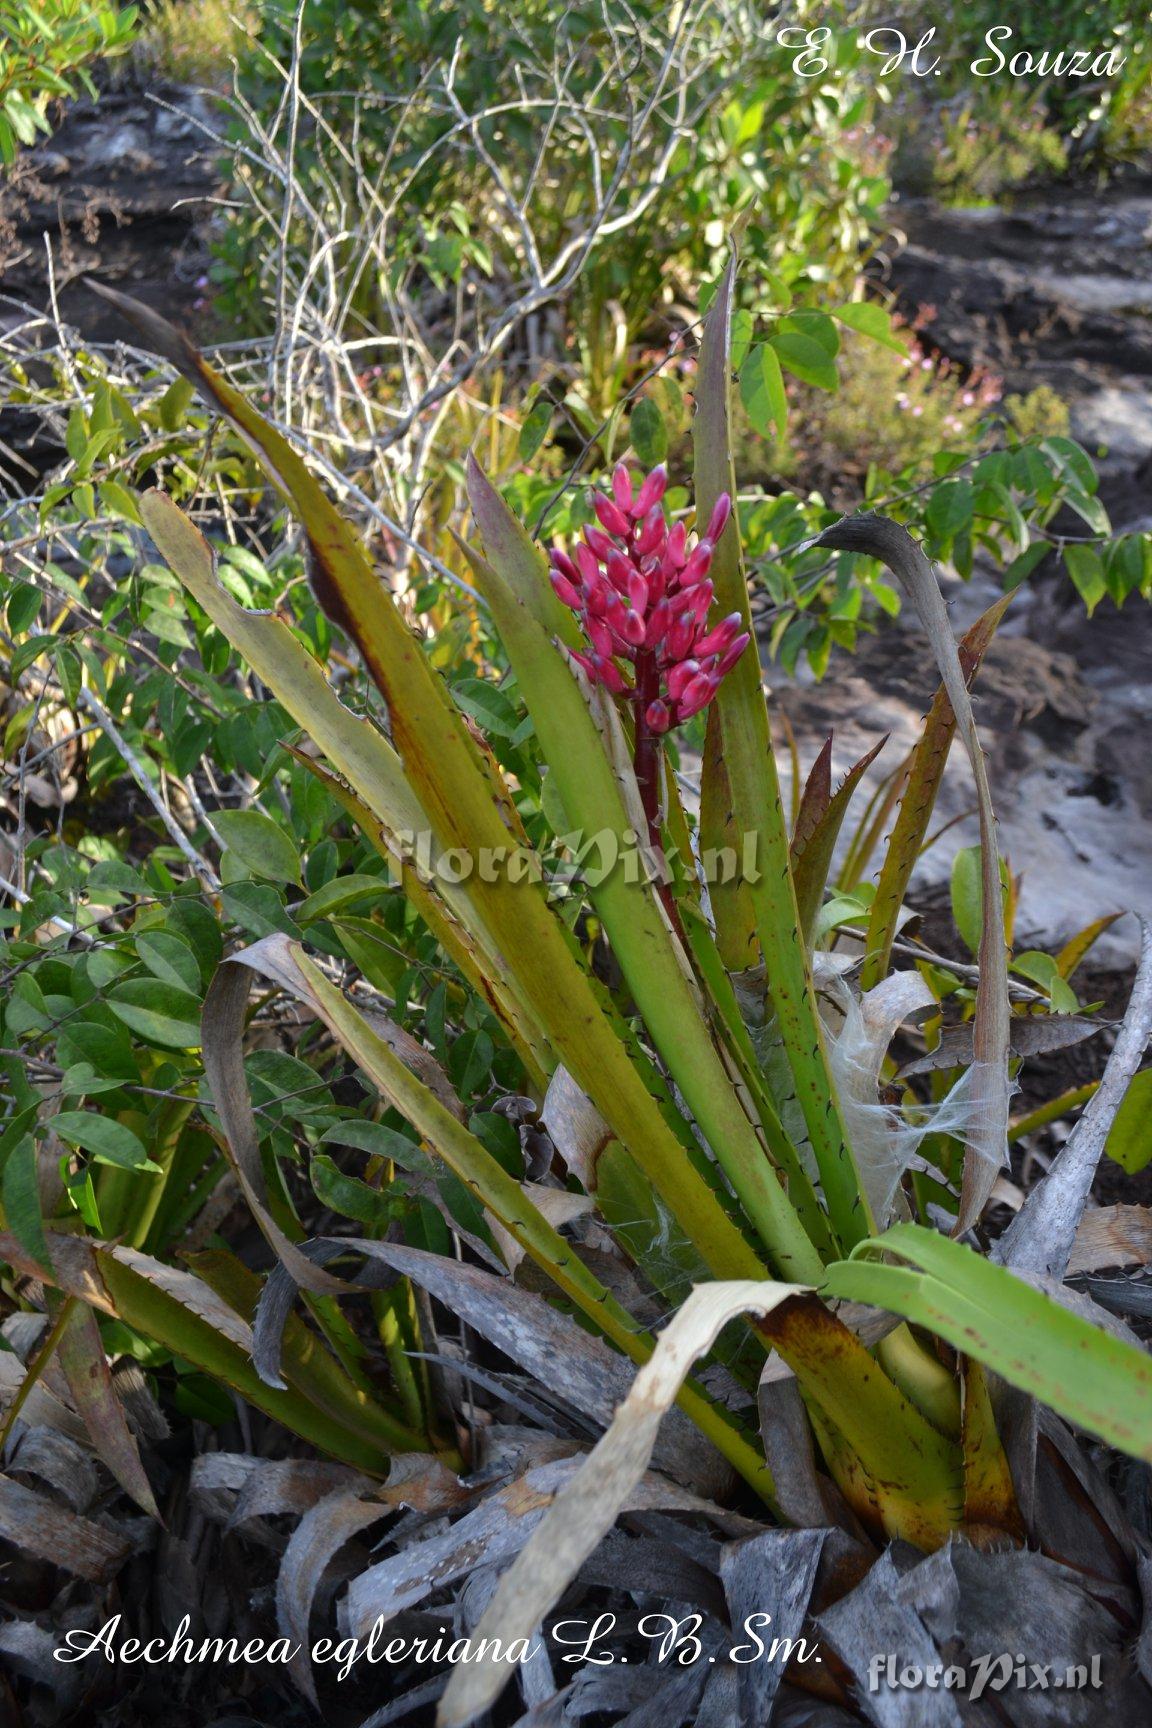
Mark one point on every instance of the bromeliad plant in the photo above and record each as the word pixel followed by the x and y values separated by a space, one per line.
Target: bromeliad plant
pixel 713 1092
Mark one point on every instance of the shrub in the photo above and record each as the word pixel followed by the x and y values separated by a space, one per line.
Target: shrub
pixel 47 50
pixel 971 140
pixel 193 41
pixel 486 170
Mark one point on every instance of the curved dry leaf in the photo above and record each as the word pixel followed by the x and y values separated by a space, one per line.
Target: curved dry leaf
pixel 578 1130
pixel 41 1408
pixel 1112 1236
pixel 416 1480
pixel 223 1023
pixel 588 1504
pixel 495 1531
pixel 280 1291
pixel 315 1542
pixel 987 1133
pixel 27 1649
pixel 292 1485
pixel 1042 1235
pixel 772 1573
pixel 1030 1035
pixel 557 1205
pixel 872 1620
pixel 41 1527
pixel 557 1352
pixel 74 1263
pixel 216 1480
pixel 80 1352
pixel 63 1465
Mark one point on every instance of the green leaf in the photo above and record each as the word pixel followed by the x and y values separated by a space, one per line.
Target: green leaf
pixel 743 325
pixel 950 508
pixel 740 803
pixel 1086 569
pixel 648 433
pixel 968 894
pixel 1022 567
pixel 159 1013
pixel 1129 1140
pixel 487 705
pixel 806 359
pixel 108 1141
pixel 1089 509
pixel 814 327
pixel 1042 969
pixel 337 895
pixel 170 959
pixel 20 1193
pixel 534 430
pixel 381 1141
pixel 260 844
pixel 469 1062
pixel 70 671
pixel 115 878
pixel 118 501
pixel 925 772
pixel 82 1081
pixel 1030 1339
pixel 23 607
pixel 347 1194
pixel 762 392
pixel 871 320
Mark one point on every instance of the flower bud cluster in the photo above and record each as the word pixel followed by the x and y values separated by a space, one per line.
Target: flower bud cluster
pixel 643 598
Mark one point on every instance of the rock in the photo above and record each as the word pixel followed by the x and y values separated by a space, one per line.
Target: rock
pixel 120 191
pixel 1073 798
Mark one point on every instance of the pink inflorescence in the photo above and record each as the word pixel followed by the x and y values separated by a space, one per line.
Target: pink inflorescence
pixel 643 597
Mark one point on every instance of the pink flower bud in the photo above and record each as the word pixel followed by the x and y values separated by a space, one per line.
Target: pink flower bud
pixel 614 608
pixel 599 543
pixel 651 532
pixel 731 654
pixel 718 520
pixel 698 565
pixel 586 666
pixel 680 637
pixel 637 592
pixel 659 619
pixel 674 549
pixel 700 600
pixel 564 564
pixel 680 677
pixel 588 566
pixel 717 640
pixel 659 716
pixel 622 486
pixel 609 675
pixel 619 571
pixel 599 635
pixel 611 516
pixel 652 491
pixel 633 628
pixel 566 592
pixel 598 598
pixel 698 694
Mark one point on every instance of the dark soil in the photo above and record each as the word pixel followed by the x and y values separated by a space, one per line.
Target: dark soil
pixel 120 191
